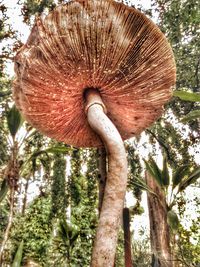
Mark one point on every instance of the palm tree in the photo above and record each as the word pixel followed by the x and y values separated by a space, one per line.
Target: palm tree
pixel 11 172
pixel 164 190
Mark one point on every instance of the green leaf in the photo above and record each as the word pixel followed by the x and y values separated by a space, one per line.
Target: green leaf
pixel 74 238
pixel 193 115
pixel 141 184
pixel 190 180
pixel 6 93
pixel 14 120
pixel 4 190
pixel 187 96
pixel 165 172
pixel 57 149
pixel 154 171
pixel 149 168
pixel 68 232
pixel 173 220
pixel 18 255
pixel 179 174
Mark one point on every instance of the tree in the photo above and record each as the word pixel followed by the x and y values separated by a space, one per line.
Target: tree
pixel 58 187
pixel 34 228
pixel 11 174
pixel 161 202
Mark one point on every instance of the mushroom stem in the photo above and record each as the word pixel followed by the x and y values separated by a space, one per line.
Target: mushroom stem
pixel 107 231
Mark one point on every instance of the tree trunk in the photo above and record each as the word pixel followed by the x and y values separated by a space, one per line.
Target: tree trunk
pixel 127 238
pixel 9 225
pixel 102 176
pixel 25 196
pixel 159 229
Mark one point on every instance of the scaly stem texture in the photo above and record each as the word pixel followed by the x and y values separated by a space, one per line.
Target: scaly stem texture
pixel 159 229
pixel 107 231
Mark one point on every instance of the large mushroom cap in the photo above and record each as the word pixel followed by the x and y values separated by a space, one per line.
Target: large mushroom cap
pixel 98 44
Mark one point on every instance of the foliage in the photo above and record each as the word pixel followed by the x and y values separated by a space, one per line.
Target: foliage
pixel 14 120
pixel 141 252
pixel 35 229
pixel 58 187
pixel 18 255
pixel 192 115
pixel 6 33
pixel 63 243
pixel 181 178
pixel 83 199
pixel 193 97
pixel 180 20
pixel 135 181
pixel 3 190
pixel 187 96
pixel 119 257
pixel 35 7
pixel 188 250
pixel 3 217
pixel 172 220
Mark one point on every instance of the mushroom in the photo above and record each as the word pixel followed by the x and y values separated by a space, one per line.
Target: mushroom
pixel 94 73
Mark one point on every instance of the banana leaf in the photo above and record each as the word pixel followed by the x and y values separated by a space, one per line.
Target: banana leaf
pixel 52 150
pixel 179 174
pixel 18 255
pixel 141 184
pixel 154 171
pixel 187 96
pixel 191 179
pixel 68 232
pixel 193 115
pixel 165 172
pixel 14 120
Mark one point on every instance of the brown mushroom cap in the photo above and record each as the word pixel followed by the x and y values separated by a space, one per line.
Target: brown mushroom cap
pixel 93 44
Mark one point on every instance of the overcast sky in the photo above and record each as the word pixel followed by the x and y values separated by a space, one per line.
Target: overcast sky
pixel 15 20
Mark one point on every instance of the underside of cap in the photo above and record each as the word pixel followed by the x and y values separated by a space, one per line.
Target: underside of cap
pixel 97 44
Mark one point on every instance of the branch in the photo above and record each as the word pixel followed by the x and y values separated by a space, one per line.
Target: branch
pixel 197 72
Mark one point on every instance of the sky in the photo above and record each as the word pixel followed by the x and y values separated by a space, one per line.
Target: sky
pixel 16 20
pixel 16 17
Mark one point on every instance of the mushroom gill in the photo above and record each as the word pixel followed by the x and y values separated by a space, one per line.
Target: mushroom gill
pixel 93 44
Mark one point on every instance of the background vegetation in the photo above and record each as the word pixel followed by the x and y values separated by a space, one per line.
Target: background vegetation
pixel 49 191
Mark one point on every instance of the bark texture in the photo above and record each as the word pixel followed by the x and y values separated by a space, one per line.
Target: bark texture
pixel 107 231
pixel 159 229
pixel 102 176
pixel 127 238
